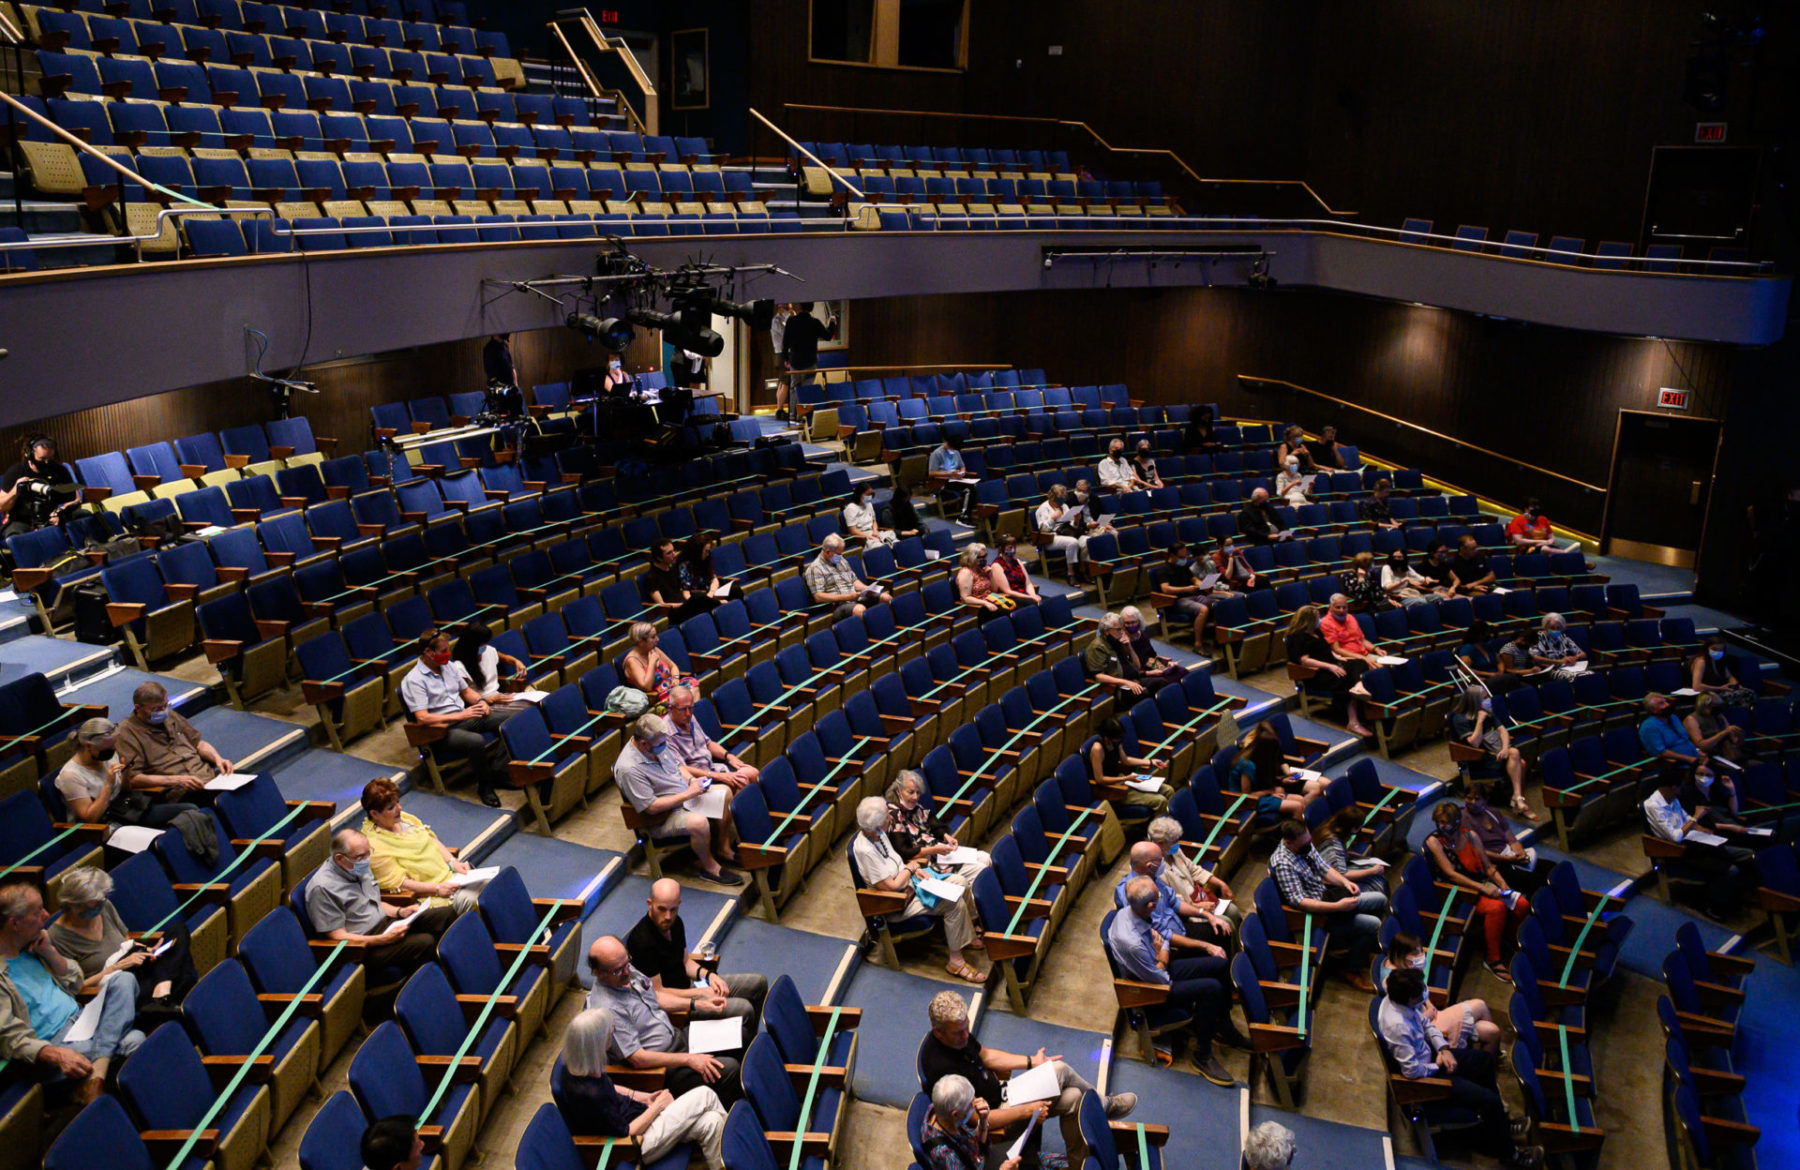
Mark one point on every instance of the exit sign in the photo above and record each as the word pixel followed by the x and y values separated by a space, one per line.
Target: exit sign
pixel 1670 399
pixel 1713 132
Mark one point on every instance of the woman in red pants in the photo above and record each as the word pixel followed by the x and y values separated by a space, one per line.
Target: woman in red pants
pixel 1457 856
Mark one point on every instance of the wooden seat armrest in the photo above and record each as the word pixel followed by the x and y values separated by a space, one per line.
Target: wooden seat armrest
pixel 812 1145
pixel 1131 993
pixel 1718 993
pixel 221 650
pixel 1034 908
pixel 1731 964
pixel 762 856
pixel 419 734
pixel 589 1149
pixel 540 954
pixel 874 903
pixel 222 1068
pixel 1737 1133
pixel 1127 1131
pixel 1057 874
pixel 630 1076
pixel 163 1144
pixel 820 1015
pixel 567 909
pixel 271 849
pixel 505 1006
pixel 218 893
pixel 1275 1038
pixel 1584 1086
pixel 466 1070
pixel 830 1076
pixel 432 1138
pixel 311 1006
pixel 1418 1090
pixel 1548 1034
pixel 121 613
pixel 1716 1082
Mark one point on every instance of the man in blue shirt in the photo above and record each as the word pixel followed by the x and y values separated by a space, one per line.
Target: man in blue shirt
pixel 946 463
pixel 1196 984
pixel 1172 913
pixel 1663 735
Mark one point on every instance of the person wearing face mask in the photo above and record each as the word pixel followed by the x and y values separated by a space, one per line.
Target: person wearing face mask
pixel 1086 507
pixel 1008 574
pixel 90 932
pixel 1324 451
pixel 903 515
pixel 1174 579
pixel 831 581
pixel 1159 672
pixel 344 904
pixel 1717 736
pixel 1518 862
pixel 1472 721
pixel 1730 869
pixel 945 466
pixel 1561 654
pixel 1710 674
pixel 1459 860
pixel 1188 927
pixel 956 1130
pixel 1713 796
pixel 674 804
pixel 94 789
pixel 1401 582
pixel 1257 521
pixel 1232 566
pixel 1376 511
pixel 1530 531
pixel 860 520
pixel 439 693
pixel 161 750
pixel 1662 735
pixel 1116 471
pixel 1291 485
pixel 33 490
pixel 1064 524
pixel 1143 465
pixel 1362 584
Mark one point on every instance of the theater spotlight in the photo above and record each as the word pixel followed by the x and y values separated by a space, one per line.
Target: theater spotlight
pixel 612 332
pixel 759 315
pixel 687 330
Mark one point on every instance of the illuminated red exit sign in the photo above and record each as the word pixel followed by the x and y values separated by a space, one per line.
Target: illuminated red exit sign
pixel 611 16
pixel 1710 132
pixel 1672 399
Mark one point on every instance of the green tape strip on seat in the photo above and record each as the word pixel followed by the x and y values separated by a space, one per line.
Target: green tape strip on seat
pixel 1143 1147
pixel 1568 1078
pixel 1575 950
pixel 1305 969
pixel 1044 870
pixel 1016 737
pixel 1436 932
pixel 812 1087
pixel 15 865
pixel 243 855
pixel 1219 827
pixel 821 787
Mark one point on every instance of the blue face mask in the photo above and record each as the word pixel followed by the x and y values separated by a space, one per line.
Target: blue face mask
pixel 660 748
pixel 360 868
pixel 971 1124
pixel 158 718
pixel 91 912
pixel 1716 654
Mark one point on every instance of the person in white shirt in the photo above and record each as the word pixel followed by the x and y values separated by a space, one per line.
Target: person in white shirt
pixel 1403 583
pixel 1057 518
pixel 860 519
pixel 1731 868
pixel 1116 472
pixel 880 866
pixel 1291 484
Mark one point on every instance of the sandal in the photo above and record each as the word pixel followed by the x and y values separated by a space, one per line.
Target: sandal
pixel 1520 807
pixel 963 971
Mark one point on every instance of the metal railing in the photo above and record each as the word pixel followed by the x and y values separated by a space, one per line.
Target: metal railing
pixel 603 45
pixel 848 186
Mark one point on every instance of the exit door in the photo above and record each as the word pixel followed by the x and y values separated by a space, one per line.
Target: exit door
pixel 1661 478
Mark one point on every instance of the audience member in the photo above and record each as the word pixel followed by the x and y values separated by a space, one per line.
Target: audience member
pixel 1257 521
pixel 1555 650
pixel 1175 578
pixel 1459 859
pixel 1008 576
pixel 1187 877
pixel 489 670
pixel 956 1132
pixel 1087 506
pixel 1187 926
pixel 344 905
pixel 974 588
pixel 642 1034
pixel 1479 659
pixel 1292 483
pixel 1709 672
pixel 37 998
pixel 161 750
pixel 1420 1050
pixel 593 1106
pixel 701 757
pixel 1472 722
pixel 1232 566
pixel 1261 768
pixel 1713 797
pixel 1436 569
pixel 903 515
pixel 1352 916
pixel 668 592
pixel 1108 764
pixel 1517 861
pixel 1732 865
pixel 1530 531
pixel 1198 984
pixel 1401 582
pixel 1329 840
pixel 672 803
pixel 438 692
pixel 697 575
pixel 1663 735
pixel 94 789
pixel 1712 733
pixel 658 947
pixel 951 1050
pixel 946 465
pixel 392 1143
pixel 406 857
pixel 1065 525
pixel 648 668
pixel 1333 677
pixel 1293 445
pixel 881 867
pixel 831 581
pixel 1470 571
pixel 1116 472
pixel 1324 450
pixel 1362 584
pixel 1468 1024
pixel 915 832
pixel 1158 670
pixel 1143 466
pixel 860 520
pixel 1269 1146
pixel 1376 511
pixel 1198 438
pixel 1110 659
pixel 89 931
pixel 1344 634
pixel 1516 663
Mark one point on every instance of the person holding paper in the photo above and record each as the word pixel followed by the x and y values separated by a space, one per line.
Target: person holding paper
pixel 1344 634
pixel 1234 570
pixel 94 789
pixel 1472 721
pixel 344 905
pixel 861 521
pixel 1261 768
pixel 89 931
pixel 1110 659
pixel 488 669
pixel 1160 672
pixel 1257 521
pixel 658 948
pixel 675 802
pixel 1064 525
pixel 945 465
pixel 831 581
pixel 881 867
pixel 915 833
pixel 1663 736
pixel 1712 733
pixel 1352 916
pixel 39 1019
pixel 643 1035
pixel 950 1050
pixel 1369 876
pixel 1334 675
pixel 1198 984
pixel 1187 877
pixel 1376 511
pixel 1188 927
pixel 1116 471
pixel 1458 858
pixel 700 755
pixel 1709 672
pixel 1175 578
pixel 440 692
pixel 1403 584
pixel 1108 764
pixel 1556 650
pixel 1733 866
pixel 1714 798
pixel 407 857
pixel 593 1106
pixel 1518 862
pixel 160 748
pixel 956 1130
pixel 1290 485
pixel 697 575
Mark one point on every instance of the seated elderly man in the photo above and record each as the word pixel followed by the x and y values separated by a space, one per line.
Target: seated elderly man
pixel 1665 736
pixel 1189 879
pixel 700 755
pixel 674 802
pixel 1269 1146
pixel 1186 925
pixel 831 581
pixel 1117 474
pixel 1257 521
pixel 161 750
pixel 659 948
pixel 1351 915
pixel 949 1049
pixel 406 857
pixel 880 866
pixel 643 1035
pixel 37 998
pixel 1198 984
pixel 1110 659
pixel 345 905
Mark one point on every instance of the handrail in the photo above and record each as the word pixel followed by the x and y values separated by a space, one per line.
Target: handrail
pixel 823 372
pixel 1073 124
pixel 816 160
pixel 13 35
pixel 1423 430
pixel 21 108
pixel 605 44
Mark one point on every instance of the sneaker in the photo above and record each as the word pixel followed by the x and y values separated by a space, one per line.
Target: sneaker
pixel 1120 1105
pixel 725 877
pixel 781 415
pixel 1525 1158
pixel 1228 1035
pixel 1212 1070
pixel 1499 971
pixel 1520 1128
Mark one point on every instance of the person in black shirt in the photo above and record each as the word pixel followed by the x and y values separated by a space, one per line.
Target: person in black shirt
pixel 800 349
pixel 1376 510
pixel 35 488
pixel 591 1105
pixel 1324 451
pixel 1175 578
pixel 1469 569
pixel 1198 437
pixel 949 1049
pixel 1257 521
pixel 497 361
pixel 1437 569
pixel 663 586
pixel 902 515
pixel 658 948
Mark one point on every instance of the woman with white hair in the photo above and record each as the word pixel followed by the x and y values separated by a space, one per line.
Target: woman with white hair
pixel 90 933
pixel 880 866
pixel 1270 1146
pixel 974 588
pixel 914 832
pixel 1556 650
pixel 1159 672
pixel 1190 880
pixel 593 1106
pixel 956 1129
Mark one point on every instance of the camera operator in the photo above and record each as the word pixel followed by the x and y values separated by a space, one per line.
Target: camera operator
pixel 35 488
pixel 504 397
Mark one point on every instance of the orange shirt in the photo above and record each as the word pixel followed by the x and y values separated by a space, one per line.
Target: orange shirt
pixel 1345 635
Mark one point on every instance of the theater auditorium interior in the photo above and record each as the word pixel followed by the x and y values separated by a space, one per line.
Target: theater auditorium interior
pixel 738 584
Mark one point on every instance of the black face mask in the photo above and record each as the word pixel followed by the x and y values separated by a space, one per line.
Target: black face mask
pixel 104 754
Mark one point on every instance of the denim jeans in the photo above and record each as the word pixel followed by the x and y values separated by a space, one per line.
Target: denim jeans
pixel 114 1035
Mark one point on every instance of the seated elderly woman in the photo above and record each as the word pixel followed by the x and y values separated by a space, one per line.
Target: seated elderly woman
pixel 649 669
pixel 1008 573
pixel 1191 881
pixel 914 831
pixel 1290 485
pixel 593 1106
pixel 956 1130
pixel 882 869
pixel 1556 650
pixel 974 587
pixel 1159 672
pixel 90 932
pixel 406 856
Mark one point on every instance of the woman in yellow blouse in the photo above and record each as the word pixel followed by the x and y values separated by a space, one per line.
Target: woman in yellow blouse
pixel 405 855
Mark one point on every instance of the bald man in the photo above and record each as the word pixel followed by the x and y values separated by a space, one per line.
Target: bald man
pixel 1257 521
pixel 345 905
pixel 1173 914
pixel 658 948
pixel 644 1036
